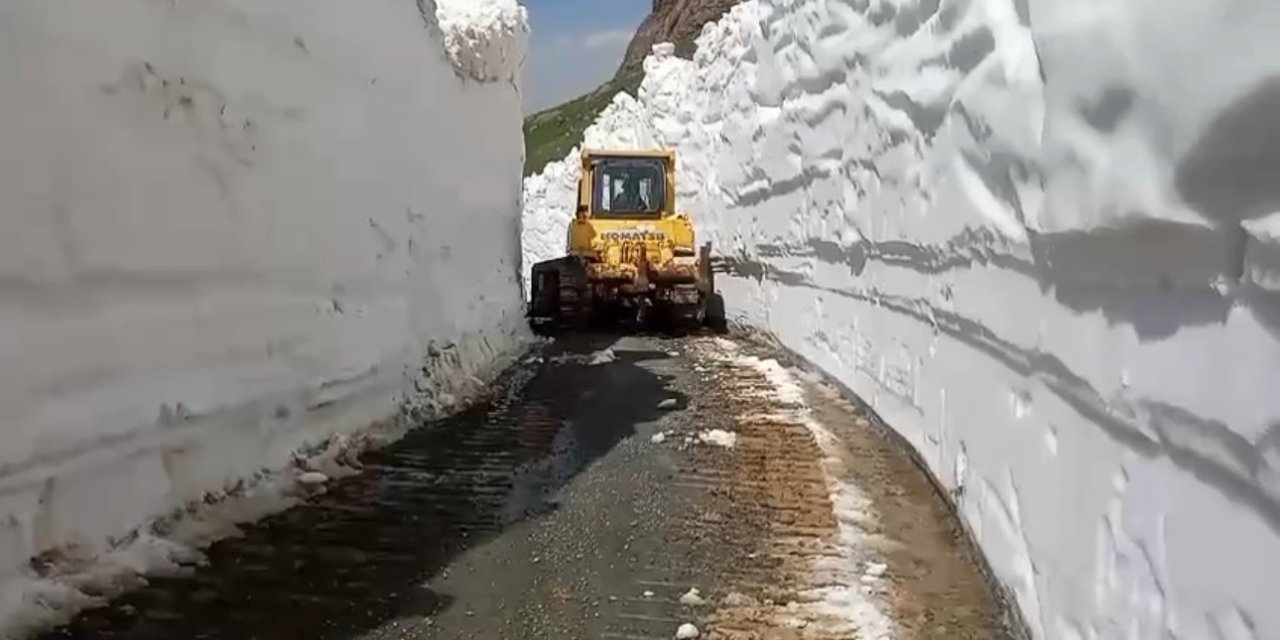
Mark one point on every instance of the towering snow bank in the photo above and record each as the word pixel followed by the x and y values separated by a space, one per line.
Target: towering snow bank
pixel 229 231
pixel 484 39
pixel 1040 238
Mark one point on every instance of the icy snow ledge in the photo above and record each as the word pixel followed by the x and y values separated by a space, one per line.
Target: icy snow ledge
pixel 1262 255
pixel 484 39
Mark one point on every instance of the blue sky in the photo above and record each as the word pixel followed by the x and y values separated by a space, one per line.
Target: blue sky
pixel 575 45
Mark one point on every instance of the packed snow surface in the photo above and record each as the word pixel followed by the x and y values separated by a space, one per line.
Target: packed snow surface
pixel 234 238
pixel 1041 239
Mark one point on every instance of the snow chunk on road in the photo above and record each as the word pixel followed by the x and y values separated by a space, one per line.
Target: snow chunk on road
pixel 669 403
pixel 719 437
pixel 692 598
pixel 312 479
pixel 658 438
pixel 687 632
pixel 484 39
pixel 726 344
pixel 603 357
pixel 875 569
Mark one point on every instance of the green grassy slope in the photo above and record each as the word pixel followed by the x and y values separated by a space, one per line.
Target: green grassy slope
pixel 551 133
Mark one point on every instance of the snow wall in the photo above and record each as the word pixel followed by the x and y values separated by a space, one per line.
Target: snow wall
pixel 1042 239
pixel 229 232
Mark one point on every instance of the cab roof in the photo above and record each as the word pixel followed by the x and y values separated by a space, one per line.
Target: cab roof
pixel 661 154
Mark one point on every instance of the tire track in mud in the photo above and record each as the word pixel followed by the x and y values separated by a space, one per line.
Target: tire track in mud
pixel 770 505
pixel 833 532
pixel 937 587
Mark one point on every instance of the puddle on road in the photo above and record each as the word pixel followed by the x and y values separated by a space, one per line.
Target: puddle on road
pixel 536 484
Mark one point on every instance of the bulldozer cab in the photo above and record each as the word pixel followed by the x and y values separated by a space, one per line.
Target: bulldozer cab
pixel 627 185
pixel 629 253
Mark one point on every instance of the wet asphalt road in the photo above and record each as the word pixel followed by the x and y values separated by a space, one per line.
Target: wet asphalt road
pixel 542 513
pixel 549 511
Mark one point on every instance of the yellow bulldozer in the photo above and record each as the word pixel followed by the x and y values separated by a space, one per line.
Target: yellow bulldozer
pixel 631 256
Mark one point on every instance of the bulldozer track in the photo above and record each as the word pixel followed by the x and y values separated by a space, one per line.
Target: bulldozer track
pixel 574 299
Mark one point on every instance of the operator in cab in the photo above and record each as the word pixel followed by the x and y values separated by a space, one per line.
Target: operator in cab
pixel 629 199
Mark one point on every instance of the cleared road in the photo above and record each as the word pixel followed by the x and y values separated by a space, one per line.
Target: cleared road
pixel 603 482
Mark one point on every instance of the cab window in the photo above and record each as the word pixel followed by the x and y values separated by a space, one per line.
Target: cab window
pixel 628 188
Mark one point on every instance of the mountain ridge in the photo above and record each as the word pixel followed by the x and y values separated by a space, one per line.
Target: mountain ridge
pixel 551 133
